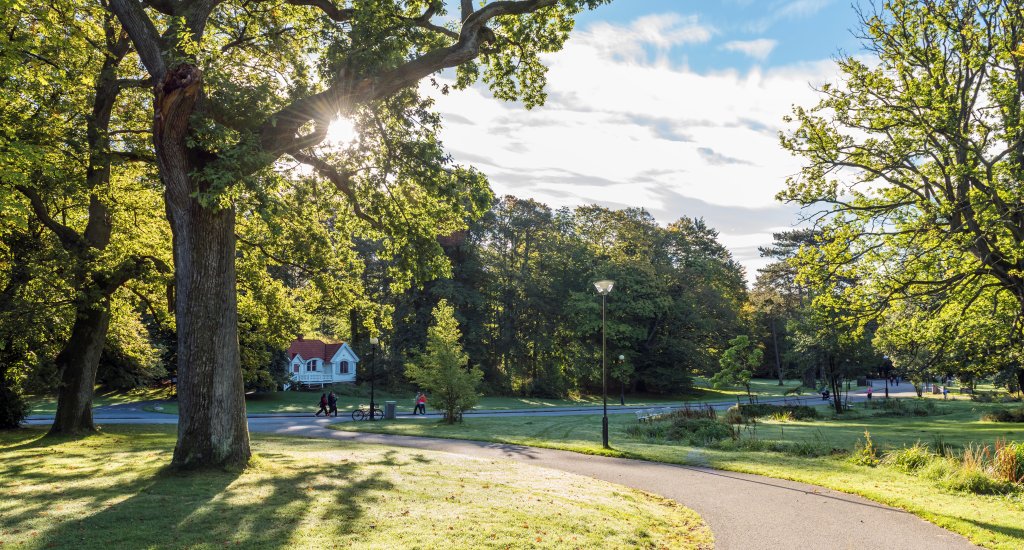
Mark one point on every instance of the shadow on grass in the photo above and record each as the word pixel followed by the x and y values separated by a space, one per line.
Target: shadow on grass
pixel 117 494
pixel 1012 532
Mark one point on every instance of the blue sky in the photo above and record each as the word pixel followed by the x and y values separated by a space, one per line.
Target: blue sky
pixel 801 30
pixel 672 105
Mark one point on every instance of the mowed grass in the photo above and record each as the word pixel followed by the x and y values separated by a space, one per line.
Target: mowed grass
pixel 350 397
pixel 992 521
pixel 113 491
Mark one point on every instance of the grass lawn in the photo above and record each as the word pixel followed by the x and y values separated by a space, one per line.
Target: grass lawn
pixel 113 491
pixel 991 521
pixel 350 397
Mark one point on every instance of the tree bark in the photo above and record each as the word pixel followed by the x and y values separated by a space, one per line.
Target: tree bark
pixel 212 428
pixel 78 362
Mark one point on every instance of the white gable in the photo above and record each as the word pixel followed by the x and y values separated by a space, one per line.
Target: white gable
pixel 344 353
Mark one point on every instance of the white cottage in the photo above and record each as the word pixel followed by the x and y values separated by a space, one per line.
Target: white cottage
pixel 315 363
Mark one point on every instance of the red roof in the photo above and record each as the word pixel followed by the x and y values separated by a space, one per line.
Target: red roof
pixel 313 349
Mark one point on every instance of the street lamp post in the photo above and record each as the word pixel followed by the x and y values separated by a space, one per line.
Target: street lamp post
pixel 373 372
pixel 603 288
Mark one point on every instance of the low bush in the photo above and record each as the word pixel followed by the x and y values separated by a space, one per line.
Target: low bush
pixel 994 397
pixel 1008 461
pixel 700 411
pixel 865 454
pixel 909 459
pixel 805 448
pixel 733 415
pixel 905 407
pixel 1005 415
pixel 692 431
pixel 759 410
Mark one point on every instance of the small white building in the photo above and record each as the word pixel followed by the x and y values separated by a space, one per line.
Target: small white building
pixel 315 363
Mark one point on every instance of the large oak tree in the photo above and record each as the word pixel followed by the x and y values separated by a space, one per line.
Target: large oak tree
pixel 240 85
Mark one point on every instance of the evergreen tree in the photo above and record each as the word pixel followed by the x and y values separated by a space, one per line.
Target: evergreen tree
pixel 442 370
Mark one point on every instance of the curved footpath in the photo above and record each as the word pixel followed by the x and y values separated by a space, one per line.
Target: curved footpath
pixel 744 511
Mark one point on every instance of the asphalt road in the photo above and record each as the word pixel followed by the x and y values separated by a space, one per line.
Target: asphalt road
pixel 744 511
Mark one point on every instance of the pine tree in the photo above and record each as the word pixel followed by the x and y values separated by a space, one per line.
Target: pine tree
pixel 442 369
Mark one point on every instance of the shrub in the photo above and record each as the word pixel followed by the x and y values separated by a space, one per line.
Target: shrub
pixel 701 411
pixel 692 431
pixel 734 416
pixel 1008 461
pixel 1005 415
pixel 758 410
pixel 698 431
pixel 806 448
pixel 909 459
pixel 13 407
pixel 905 407
pixel 865 453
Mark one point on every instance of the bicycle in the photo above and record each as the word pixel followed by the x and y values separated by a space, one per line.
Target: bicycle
pixel 366 414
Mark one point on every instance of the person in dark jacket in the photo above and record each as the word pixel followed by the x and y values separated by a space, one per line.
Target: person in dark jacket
pixel 323 405
pixel 332 402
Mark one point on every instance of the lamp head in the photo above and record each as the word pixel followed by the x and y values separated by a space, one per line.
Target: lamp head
pixel 604 286
pixel 622 358
pixel 374 340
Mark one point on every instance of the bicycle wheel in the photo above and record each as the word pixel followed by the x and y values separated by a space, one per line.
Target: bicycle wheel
pixel 377 414
pixel 358 414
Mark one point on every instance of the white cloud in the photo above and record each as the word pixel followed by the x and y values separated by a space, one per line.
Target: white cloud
pixel 792 9
pixel 758 49
pixel 660 32
pixel 632 131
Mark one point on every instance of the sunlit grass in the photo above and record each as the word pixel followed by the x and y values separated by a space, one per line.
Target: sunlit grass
pixel 113 491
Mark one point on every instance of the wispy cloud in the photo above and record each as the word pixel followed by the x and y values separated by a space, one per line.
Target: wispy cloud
pixel 789 9
pixel 758 49
pixel 658 32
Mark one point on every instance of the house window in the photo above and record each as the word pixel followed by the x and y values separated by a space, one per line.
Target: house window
pixel 295 368
pixel 343 367
pixel 311 365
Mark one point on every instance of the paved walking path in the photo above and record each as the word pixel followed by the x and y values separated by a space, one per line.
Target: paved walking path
pixel 744 511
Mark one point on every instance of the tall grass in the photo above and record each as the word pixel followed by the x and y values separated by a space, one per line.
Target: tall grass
pixel 979 469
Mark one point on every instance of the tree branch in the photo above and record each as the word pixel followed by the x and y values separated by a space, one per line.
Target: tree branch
pixel 143 33
pixel 69 238
pixel 341 180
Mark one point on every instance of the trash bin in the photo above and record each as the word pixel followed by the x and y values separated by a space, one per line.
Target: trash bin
pixel 389 410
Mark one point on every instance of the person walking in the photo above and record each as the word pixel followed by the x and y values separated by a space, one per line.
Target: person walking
pixel 421 404
pixel 323 405
pixel 332 402
pixel 945 392
pixel 870 391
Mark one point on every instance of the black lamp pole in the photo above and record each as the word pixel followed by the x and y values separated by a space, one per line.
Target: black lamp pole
pixel 373 373
pixel 603 288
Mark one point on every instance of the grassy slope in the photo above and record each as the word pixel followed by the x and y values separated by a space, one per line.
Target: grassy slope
pixel 111 491
pixel 992 521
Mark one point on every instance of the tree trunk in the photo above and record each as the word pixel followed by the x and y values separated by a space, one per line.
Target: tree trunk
pixel 1020 380
pixel 809 380
pixel 78 363
pixel 212 428
pixel 778 358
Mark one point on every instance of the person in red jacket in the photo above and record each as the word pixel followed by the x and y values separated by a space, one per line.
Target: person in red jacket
pixel 421 404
